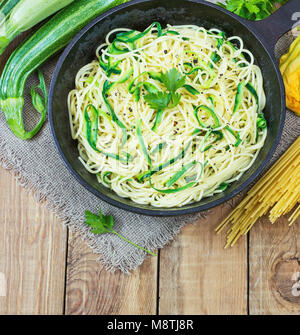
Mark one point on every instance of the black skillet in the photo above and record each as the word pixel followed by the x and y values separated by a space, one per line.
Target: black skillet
pixel 259 37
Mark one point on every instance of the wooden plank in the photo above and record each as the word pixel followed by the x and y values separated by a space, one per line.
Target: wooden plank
pixel 275 268
pixel 92 290
pixel 197 276
pixel 32 253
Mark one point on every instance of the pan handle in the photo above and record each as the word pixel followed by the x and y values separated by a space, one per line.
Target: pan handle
pixel 277 24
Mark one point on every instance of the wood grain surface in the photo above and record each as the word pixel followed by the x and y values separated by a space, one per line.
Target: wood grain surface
pixel 275 268
pixel 32 253
pixel 92 290
pixel 205 278
pixel 45 269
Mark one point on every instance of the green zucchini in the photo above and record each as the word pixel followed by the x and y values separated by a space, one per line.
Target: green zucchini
pixel 180 173
pixel 252 90
pixel 160 167
pixel 158 118
pixel 236 135
pixel 177 175
pixel 238 97
pixel 91 130
pixel 7 5
pixel 25 14
pixel 212 114
pixel 46 41
pixel 191 89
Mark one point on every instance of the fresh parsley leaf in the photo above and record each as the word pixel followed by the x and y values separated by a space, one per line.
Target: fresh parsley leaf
pixel 251 9
pixel 175 99
pixel 158 101
pixel 102 224
pixel 172 80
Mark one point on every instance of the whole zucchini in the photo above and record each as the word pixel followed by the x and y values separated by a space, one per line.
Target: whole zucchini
pixel 6 6
pixel 24 15
pixel 46 41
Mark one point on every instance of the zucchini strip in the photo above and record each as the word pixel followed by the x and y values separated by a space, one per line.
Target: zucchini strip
pixel 209 111
pixel 215 58
pixel 261 122
pixel 221 40
pixel 180 173
pixel 107 86
pixel 235 134
pixel 91 125
pixel 158 118
pixel 123 37
pixel 238 97
pixel 223 186
pixel 163 165
pixel 145 152
pixel 252 90
pixel 191 89
pixel 159 147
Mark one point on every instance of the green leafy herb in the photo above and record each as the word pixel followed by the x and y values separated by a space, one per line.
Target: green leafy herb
pixel 172 80
pixel 102 224
pixel 251 9
pixel 158 100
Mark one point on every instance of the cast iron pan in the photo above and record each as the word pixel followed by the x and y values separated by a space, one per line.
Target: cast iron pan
pixel 259 37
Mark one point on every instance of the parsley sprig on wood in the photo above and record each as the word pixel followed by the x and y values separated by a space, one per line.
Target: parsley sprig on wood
pixel 102 224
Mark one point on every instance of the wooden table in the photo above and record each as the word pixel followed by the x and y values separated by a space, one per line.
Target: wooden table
pixel 47 269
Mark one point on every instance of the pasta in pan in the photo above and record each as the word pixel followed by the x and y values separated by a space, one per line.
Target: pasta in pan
pixel 168 116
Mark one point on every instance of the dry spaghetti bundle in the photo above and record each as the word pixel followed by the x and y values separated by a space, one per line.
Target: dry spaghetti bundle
pixel 277 192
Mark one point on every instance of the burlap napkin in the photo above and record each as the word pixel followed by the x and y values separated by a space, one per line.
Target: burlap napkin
pixel 38 167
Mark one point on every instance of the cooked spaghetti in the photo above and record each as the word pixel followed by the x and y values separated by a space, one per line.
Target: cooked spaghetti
pixel 278 192
pixel 168 116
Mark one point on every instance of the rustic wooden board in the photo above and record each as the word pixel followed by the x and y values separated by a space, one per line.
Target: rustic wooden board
pixel 274 268
pixel 92 290
pixel 32 253
pixel 32 263
pixel 197 276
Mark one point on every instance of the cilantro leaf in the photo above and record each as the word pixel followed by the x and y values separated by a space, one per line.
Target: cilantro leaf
pixel 172 80
pixel 102 224
pixel 158 100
